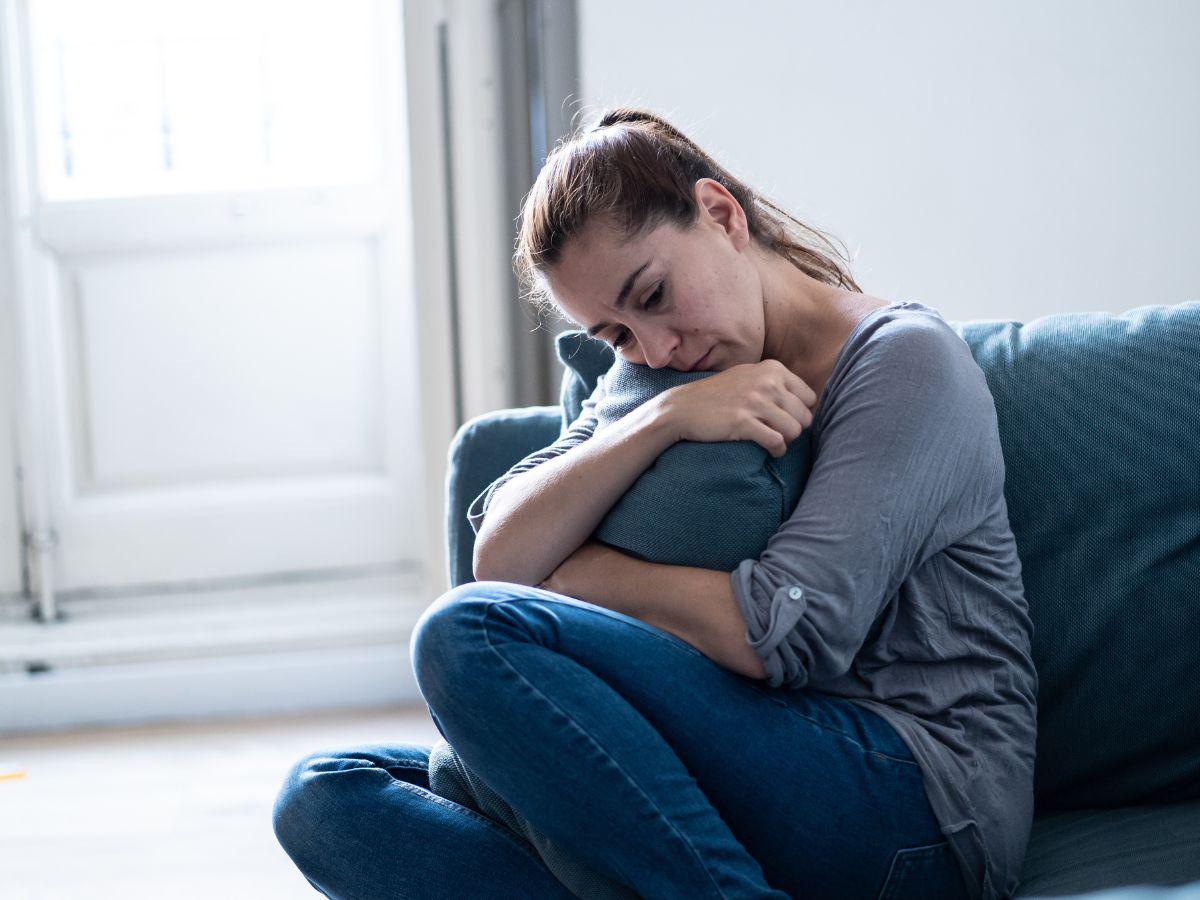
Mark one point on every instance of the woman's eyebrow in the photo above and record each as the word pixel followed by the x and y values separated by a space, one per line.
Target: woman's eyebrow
pixel 621 297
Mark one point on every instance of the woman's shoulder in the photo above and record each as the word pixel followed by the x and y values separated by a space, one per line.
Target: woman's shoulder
pixel 904 362
pixel 906 334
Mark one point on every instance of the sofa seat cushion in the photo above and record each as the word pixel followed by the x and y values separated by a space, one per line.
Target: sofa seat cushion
pixel 1082 851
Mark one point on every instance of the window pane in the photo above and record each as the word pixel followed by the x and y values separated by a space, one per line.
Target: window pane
pixel 134 97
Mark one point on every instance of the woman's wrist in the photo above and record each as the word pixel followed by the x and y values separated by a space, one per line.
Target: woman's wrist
pixel 656 418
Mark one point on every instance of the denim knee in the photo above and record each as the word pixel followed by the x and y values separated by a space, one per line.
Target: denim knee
pixel 290 816
pixel 297 816
pixel 309 804
pixel 453 622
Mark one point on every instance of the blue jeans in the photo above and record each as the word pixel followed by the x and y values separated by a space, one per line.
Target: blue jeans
pixel 628 747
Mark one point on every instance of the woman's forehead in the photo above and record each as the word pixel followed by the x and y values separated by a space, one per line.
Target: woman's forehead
pixel 598 280
pixel 598 288
pixel 598 262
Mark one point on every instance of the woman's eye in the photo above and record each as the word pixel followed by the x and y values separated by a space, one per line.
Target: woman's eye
pixel 652 300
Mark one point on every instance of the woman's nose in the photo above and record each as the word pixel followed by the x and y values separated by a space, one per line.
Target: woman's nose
pixel 659 350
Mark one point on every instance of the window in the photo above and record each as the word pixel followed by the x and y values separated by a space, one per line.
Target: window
pixel 143 97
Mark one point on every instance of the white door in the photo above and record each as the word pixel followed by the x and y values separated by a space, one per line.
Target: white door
pixel 215 330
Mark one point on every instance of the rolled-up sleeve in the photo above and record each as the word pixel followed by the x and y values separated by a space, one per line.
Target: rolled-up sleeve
pixel 579 431
pixel 907 439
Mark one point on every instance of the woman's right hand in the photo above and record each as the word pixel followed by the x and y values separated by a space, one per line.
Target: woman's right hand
pixel 765 402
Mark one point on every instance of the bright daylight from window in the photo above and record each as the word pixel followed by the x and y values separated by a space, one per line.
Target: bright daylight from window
pixel 142 97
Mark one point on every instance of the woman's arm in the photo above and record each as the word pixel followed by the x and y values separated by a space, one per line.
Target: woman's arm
pixel 549 503
pixel 909 462
pixel 541 516
pixel 695 605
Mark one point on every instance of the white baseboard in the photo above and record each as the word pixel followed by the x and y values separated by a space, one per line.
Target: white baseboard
pixel 249 684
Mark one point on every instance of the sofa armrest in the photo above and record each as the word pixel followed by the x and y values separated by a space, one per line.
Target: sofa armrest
pixel 483 449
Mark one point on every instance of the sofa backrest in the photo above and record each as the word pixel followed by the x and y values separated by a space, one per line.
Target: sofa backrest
pixel 1099 419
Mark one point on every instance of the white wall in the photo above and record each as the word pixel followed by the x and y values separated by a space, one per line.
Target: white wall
pixel 1004 160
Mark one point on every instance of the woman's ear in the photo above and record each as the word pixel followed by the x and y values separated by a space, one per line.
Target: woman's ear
pixel 718 206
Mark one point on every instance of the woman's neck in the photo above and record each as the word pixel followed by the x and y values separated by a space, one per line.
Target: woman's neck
pixel 807 321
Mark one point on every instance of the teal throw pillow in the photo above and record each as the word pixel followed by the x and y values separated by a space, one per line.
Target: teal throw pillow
pixel 704 504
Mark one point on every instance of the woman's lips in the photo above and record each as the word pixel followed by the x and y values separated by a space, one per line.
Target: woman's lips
pixel 700 362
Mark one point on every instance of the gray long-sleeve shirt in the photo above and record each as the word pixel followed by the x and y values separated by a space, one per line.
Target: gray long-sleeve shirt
pixel 896 584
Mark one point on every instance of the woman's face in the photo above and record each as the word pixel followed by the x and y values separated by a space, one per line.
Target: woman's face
pixel 671 297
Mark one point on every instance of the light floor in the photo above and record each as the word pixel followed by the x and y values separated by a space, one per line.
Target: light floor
pixel 173 811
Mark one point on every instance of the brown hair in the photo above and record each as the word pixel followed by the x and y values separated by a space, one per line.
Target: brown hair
pixel 637 171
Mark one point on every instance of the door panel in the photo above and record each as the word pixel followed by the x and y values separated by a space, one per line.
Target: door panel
pixel 215 317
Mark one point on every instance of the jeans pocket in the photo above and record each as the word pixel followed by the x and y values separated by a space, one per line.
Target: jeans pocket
pixel 929 870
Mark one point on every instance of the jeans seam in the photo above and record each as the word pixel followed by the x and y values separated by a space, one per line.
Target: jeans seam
pixel 403 762
pixel 906 762
pixel 485 820
pixel 905 857
pixel 491 604
pixel 395 762
pixel 836 731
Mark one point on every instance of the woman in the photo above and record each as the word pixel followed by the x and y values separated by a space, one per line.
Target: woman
pixel 851 715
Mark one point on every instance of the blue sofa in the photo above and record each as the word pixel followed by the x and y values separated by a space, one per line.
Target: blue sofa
pixel 1099 420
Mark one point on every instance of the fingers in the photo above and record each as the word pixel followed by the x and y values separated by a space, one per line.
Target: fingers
pixel 768 438
pixel 799 388
pixel 795 402
pixel 797 409
pixel 785 424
